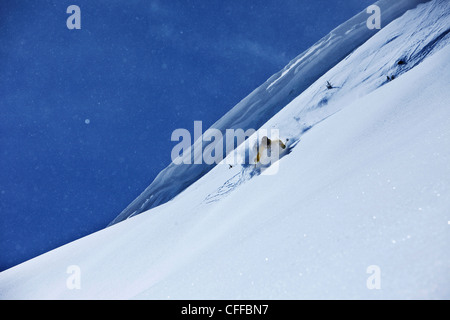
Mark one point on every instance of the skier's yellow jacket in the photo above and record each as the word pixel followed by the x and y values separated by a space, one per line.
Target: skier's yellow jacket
pixel 268 144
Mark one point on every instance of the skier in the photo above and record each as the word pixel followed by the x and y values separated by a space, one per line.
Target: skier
pixel 267 146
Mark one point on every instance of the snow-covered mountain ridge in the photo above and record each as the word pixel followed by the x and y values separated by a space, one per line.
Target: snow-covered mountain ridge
pixel 265 101
pixel 365 185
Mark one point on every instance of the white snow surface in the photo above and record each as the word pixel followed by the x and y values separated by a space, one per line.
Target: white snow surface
pixel 366 183
pixel 265 101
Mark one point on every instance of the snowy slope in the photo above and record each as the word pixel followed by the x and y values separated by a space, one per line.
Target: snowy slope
pixel 366 184
pixel 268 99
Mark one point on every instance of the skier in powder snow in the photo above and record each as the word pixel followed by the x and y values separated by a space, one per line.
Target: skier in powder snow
pixel 267 146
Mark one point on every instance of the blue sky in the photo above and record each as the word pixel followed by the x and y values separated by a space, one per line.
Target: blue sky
pixel 87 115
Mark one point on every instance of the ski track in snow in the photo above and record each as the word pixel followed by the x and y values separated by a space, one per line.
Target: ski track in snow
pixel 246 172
pixel 226 188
